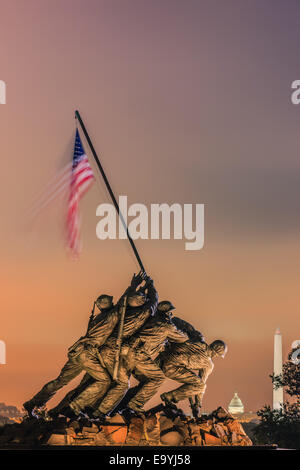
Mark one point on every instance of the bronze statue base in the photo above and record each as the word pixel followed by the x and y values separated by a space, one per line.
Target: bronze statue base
pixel 161 427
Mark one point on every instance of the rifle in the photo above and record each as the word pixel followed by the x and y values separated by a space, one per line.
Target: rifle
pixel 119 339
pixel 170 412
pixel 91 319
pixel 141 275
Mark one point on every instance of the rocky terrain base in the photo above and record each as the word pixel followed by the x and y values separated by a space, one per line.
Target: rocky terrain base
pixel 165 428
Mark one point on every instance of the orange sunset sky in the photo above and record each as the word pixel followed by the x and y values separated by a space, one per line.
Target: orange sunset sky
pixel 186 102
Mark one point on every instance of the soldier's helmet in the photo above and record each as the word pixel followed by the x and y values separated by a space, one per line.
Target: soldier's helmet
pixel 165 306
pixel 136 299
pixel 219 347
pixel 104 301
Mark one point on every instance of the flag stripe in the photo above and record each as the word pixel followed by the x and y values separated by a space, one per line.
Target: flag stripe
pixel 57 185
pixel 81 179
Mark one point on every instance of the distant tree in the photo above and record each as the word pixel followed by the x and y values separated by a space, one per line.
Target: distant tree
pixel 282 426
pixel 290 378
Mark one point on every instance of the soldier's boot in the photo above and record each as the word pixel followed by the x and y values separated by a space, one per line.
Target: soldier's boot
pixel 29 407
pixel 99 416
pixel 169 400
pixel 69 412
pixel 155 409
pixel 54 413
pixel 129 413
pixel 88 411
pixel 136 410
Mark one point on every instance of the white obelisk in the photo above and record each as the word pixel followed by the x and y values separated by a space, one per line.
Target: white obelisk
pixel 277 394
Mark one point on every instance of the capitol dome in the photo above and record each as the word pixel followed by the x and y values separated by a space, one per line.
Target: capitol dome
pixel 236 406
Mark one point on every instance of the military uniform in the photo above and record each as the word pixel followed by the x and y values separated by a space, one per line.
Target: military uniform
pixel 135 317
pixel 150 342
pixel 82 355
pixel 189 363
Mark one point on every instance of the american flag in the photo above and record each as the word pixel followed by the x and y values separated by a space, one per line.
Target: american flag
pixel 81 179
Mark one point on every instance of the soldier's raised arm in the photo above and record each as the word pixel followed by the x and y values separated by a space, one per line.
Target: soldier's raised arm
pixel 152 296
pixel 136 280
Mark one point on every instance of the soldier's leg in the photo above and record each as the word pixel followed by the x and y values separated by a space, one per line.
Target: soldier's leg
pixel 118 389
pixel 86 380
pixel 128 396
pixel 70 370
pixel 148 373
pixel 193 384
pixel 95 390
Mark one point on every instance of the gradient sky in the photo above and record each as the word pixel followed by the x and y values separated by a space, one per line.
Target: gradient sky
pixel 187 102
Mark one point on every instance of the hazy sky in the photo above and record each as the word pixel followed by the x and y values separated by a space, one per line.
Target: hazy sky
pixel 186 102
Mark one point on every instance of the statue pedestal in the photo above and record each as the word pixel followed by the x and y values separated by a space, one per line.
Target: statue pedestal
pixel 220 428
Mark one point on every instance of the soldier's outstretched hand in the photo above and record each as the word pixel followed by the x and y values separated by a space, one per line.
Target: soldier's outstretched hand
pixel 137 279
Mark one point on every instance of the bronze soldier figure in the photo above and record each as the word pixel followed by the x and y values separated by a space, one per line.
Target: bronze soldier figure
pixel 145 346
pixel 139 309
pixel 83 355
pixel 181 363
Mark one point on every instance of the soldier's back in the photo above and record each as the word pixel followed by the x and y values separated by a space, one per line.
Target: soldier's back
pixel 192 354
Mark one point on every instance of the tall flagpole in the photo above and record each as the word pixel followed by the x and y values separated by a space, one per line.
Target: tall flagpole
pixel 77 116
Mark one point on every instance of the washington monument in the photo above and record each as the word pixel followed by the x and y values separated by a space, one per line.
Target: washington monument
pixel 277 394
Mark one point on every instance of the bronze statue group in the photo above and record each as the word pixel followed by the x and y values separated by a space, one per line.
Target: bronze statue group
pixel 136 337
